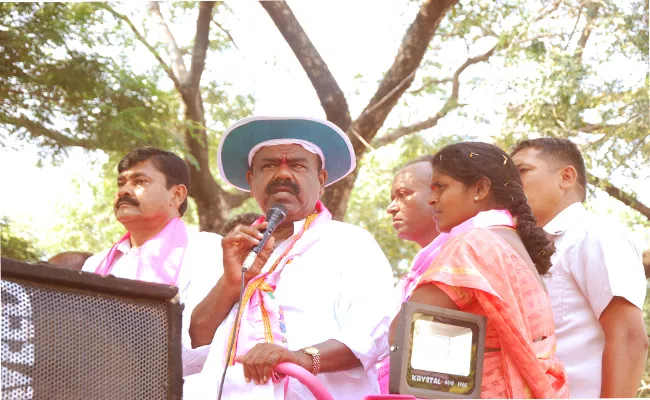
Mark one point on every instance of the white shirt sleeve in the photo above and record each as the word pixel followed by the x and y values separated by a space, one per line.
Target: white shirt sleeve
pixel 91 264
pixel 609 264
pixel 365 304
pixel 202 269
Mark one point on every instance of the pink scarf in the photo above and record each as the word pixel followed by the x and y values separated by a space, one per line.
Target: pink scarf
pixel 261 315
pixel 261 318
pixel 423 260
pixel 161 256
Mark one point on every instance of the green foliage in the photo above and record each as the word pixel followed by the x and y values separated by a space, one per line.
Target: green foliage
pixel 223 110
pixel 88 226
pixel 63 92
pixel 16 244
pixel 367 208
pixel 371 195
pixel 573 93
pixel 68 80
pixel 566 69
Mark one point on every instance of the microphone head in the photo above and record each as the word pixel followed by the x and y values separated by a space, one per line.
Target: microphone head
pixel 276 213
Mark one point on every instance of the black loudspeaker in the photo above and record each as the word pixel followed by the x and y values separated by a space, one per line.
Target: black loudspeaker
pixel 74 335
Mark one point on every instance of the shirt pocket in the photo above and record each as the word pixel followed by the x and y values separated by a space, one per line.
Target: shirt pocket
pixel 556 286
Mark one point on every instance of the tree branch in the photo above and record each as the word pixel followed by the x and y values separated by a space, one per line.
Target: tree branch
pixel 329 93
pixel 592 14
pixel 201 42
pixel 142 40
pixel 544 13
pixel 400 75
pixel 628 199
pixel 402 131
pixel 591 128
pixel 450 104
pixel 630 154
pixel 573 31
pixel 224 30
pixel 36 129
pixel 428 83
pixel 237 198
pixel 173 50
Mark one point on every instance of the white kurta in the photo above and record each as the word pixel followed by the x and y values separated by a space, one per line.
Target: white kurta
pixel 202 267
pixel 340 288
pixel 594 262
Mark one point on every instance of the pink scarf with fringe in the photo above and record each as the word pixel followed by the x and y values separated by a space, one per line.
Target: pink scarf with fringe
pixel 261 318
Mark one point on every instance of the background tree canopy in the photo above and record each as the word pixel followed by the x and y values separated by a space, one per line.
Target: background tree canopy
pixel 107 77
pixel 70 82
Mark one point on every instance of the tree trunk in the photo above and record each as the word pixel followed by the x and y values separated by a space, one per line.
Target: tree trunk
pixel 336 197
pixel 213 202
pixel 628 199
pixel 394 83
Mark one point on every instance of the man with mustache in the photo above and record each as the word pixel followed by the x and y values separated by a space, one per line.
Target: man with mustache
pixel 151 197
pixel 322 299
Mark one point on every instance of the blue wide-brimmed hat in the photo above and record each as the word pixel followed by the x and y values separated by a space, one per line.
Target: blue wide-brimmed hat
pixel 238 141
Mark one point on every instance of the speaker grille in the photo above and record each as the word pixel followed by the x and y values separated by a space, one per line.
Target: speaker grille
pixel 70 343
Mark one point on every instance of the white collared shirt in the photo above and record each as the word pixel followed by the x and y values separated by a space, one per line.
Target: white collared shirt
pixel 340 288
pixel 594 261
pixel 202 267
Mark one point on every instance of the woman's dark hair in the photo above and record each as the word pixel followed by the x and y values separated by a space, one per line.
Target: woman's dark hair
pixel 467 162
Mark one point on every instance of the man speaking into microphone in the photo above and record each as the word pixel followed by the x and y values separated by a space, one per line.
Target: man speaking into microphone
pixel 318 293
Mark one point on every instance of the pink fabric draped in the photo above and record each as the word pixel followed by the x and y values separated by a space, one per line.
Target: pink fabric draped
pixel 161 256
pixel 484 275
pixel 261 319
pixel 423 260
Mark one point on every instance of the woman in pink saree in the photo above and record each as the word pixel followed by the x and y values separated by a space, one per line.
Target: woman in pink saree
pixel 490 265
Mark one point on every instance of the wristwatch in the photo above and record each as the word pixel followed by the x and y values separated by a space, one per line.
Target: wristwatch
pixel 315 355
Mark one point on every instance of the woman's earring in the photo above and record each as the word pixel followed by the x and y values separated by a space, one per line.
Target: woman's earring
pixel 475 198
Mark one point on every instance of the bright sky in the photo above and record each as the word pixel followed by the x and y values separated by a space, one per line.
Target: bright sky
pixel 350 38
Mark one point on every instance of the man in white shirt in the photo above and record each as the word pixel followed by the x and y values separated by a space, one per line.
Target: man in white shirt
pixel 597 284
pixel 319 296
pixel 151 198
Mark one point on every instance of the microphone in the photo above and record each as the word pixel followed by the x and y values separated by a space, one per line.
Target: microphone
pixel 274 216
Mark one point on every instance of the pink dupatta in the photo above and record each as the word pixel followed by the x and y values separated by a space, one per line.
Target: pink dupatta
pixel 161 258
pixel 261 317
pixel 484 275
pixel 423 260
pixel 261 320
